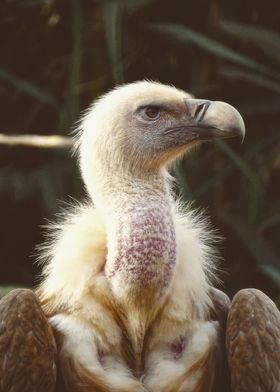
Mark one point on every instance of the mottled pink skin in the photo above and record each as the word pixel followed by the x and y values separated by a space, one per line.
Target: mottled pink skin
pixel 146 243
pixel 177 348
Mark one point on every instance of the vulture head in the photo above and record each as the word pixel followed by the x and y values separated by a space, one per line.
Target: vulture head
pixel 136 130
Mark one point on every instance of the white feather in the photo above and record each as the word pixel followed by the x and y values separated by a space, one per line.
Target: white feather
pixel 75 291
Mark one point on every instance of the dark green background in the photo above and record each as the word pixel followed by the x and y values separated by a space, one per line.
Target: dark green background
pixel 57 56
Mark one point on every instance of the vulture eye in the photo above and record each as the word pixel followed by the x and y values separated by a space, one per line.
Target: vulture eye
pixel 150 113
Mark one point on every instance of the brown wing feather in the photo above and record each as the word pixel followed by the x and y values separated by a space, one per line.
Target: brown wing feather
pixel 27 346
pixel 253 343
pixel 221 305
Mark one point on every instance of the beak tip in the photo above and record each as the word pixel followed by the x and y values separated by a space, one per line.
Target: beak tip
pixel 241 130
pixel 237 126
pixel 216 119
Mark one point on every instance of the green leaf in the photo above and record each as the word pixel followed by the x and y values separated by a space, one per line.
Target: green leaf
pixel 271 221
pixel 259 249
pixel 76 62
pixel 29 88
pixel 252 153
pixel 189 36
pixel 71 109
pixel 253 78
pixel 272 272
pixel 113 11
pixel 112 15
pixel 259 107
pixel 240 163
pixel 266 40
pixel 30 3
pixel 6 289
pixel 132 6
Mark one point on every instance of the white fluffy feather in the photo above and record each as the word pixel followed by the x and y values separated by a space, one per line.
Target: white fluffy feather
pixel 75 292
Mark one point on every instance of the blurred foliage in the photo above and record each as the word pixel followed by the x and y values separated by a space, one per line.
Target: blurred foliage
pixel 5 290
pixel 59 55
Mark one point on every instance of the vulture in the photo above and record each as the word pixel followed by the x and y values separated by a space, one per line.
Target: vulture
pixel 126 301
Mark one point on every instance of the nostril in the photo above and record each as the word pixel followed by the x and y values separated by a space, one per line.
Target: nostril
pixel 200 111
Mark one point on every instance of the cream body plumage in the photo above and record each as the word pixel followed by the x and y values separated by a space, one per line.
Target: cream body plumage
pixel 126 276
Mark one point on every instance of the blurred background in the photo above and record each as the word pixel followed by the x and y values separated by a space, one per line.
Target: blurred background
pixel 58 55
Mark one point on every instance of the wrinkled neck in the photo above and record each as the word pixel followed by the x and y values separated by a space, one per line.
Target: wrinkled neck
pixel 141 239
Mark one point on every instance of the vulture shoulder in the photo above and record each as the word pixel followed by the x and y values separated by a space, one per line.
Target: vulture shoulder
pixel 27 345
pixel 247 354
pixel 253 343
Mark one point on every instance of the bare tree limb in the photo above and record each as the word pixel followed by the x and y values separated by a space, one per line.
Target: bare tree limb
pixel 36 141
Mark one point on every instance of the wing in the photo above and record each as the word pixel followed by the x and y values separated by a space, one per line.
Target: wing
pixel 221 305
pixel 27 345
pixel 253 343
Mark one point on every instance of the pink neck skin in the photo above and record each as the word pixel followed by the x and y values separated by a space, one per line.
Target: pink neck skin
pixel 141 240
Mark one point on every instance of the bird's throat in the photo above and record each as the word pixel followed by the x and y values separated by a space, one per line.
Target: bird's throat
pixel 141 242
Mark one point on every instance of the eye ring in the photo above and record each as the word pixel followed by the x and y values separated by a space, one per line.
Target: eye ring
pixel 150 112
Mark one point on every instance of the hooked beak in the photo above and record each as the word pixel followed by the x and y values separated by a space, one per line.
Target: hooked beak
pixel 212 119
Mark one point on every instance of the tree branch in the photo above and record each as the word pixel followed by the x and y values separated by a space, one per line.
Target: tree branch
pixel 36 141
